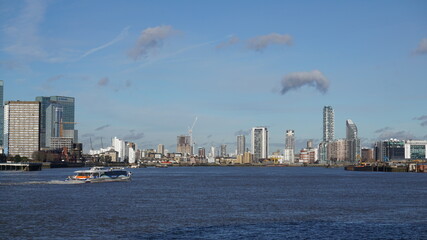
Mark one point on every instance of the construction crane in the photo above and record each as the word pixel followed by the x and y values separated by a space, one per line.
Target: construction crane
pixel 190 133
pixel 61 127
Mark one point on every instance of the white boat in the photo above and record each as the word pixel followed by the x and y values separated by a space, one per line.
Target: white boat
pixel 101 174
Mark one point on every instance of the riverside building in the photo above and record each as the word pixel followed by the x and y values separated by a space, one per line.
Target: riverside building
pixel 241 144
pixel 289 152
pixel 328 134
pixel 415 150
pixel 56 110
pixel 259 143
pixel 353 142
pixel 22 128
pixel 183 145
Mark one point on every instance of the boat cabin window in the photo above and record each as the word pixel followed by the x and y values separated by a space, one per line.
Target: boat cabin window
pixel 84 174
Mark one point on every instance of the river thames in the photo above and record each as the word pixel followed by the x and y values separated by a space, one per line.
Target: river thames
pixel 216 203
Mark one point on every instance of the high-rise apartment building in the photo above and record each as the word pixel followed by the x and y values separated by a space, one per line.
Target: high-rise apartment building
pixel 119 146
pixel 259 143
pixel 21 128
pixel 1 113
pixel 241 144
pixel 289 152
pixel 183 145
pixel 49 108
pixel 328 124
pixel 353 142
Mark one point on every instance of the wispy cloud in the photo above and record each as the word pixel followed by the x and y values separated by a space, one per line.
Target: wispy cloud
pixel 23 32
pixel 102 127
pixel 388 132
pixel 47 85
pixel 296 80
pixel 103 82
pixel 231 41
pixel 242 132
pixel 118 38
pixel 423 120
pixel 261 42
pixel 422 47
pixel 150 40
pixel 383 129
pixel 401 135
pixel 133 136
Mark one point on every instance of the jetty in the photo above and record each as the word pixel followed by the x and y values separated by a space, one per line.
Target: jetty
pixel 20 166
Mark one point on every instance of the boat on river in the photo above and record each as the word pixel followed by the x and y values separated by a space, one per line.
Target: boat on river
pixel 101 174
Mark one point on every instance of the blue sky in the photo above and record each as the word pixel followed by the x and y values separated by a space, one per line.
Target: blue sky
pixel 143 70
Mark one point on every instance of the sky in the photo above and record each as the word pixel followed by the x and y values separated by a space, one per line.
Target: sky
pixel 144 70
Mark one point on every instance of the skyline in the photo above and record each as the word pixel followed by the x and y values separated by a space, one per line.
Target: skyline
pixel 144 77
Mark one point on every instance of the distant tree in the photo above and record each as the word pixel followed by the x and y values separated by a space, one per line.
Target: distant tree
pixel 3 157
pixel 17 158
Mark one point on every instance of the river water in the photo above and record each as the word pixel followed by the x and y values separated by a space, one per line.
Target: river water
pixel 216 203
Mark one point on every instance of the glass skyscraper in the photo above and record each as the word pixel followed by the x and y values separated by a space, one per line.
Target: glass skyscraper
pixel 49 116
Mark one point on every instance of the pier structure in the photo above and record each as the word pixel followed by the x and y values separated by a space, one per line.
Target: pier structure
pixel 20 166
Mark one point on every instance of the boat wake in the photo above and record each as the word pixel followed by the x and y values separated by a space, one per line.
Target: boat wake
pixel 41 182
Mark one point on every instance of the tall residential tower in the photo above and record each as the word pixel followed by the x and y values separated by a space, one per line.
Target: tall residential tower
pixel 289 152
pixel 259 143
pixel 241 144
pixel 353 142
pixel 328 124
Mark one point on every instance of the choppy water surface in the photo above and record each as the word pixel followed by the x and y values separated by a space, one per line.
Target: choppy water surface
pixel 216 203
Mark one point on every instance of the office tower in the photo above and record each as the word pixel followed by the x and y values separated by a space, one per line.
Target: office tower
pixel 416 149
pixel 353 142
pixel 241 144
pixel 289 152
pixel 53 115
pixel 1 113
pixel 161 149
pixel 22 126
pixel 183 145
pixel 68 108
pixel 328 124
pixel 259 143
pixel 389 150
